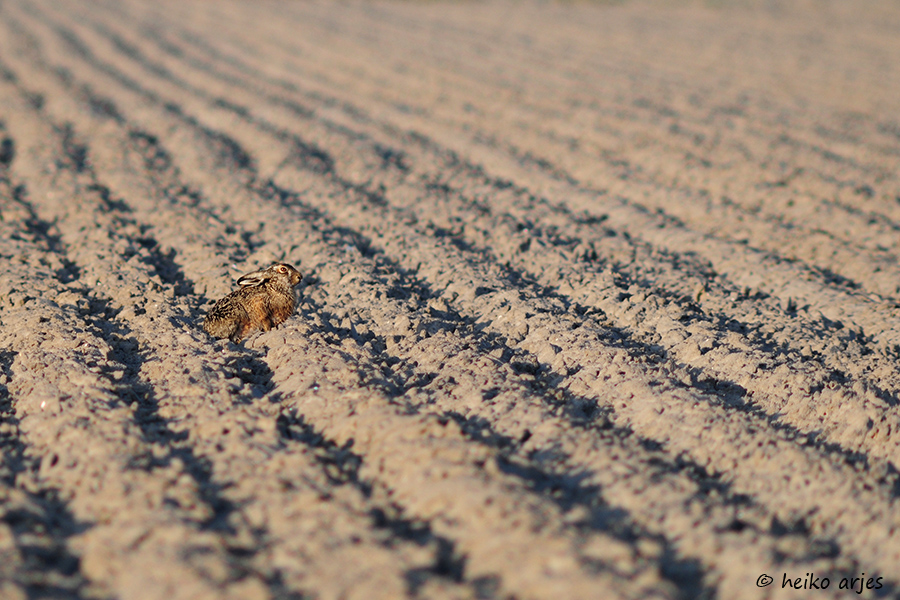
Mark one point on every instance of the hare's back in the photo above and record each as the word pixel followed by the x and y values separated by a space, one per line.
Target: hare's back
pixel 226 317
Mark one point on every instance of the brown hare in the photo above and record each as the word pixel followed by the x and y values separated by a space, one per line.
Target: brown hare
pixel 264 300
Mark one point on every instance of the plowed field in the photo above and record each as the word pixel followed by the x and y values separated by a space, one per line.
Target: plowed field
pixel 599 300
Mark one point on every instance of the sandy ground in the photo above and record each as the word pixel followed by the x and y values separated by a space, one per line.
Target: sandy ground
pixel 600 300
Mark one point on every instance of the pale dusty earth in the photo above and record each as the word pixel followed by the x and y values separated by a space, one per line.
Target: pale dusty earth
pixel 600 300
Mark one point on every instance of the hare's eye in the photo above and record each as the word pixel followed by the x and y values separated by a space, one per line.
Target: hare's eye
pixel 282 269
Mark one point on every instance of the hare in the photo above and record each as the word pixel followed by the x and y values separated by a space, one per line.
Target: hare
pixel 265 300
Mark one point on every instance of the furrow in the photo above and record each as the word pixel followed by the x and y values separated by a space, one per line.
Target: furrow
pixel 349 282
pixel 794 372
pixel 685 112
pixel 618 322
pixel 36 527
pixel 720 440
pixel 505 506
pixel 236 450
pixel 775 389
pixel 354 207
pixel 459 355
pixel 789 282
pixel 141 510
pixel 690 108
pixel 465 285
pixel 807 220
pixel 372 173
pixel 823 234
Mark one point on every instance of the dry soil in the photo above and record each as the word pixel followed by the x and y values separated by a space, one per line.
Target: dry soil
pixel 600 300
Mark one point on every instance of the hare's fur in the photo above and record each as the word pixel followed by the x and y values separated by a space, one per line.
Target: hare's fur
pixel 264 300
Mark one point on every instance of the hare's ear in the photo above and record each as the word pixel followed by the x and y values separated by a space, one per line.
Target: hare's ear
pixel 252 279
